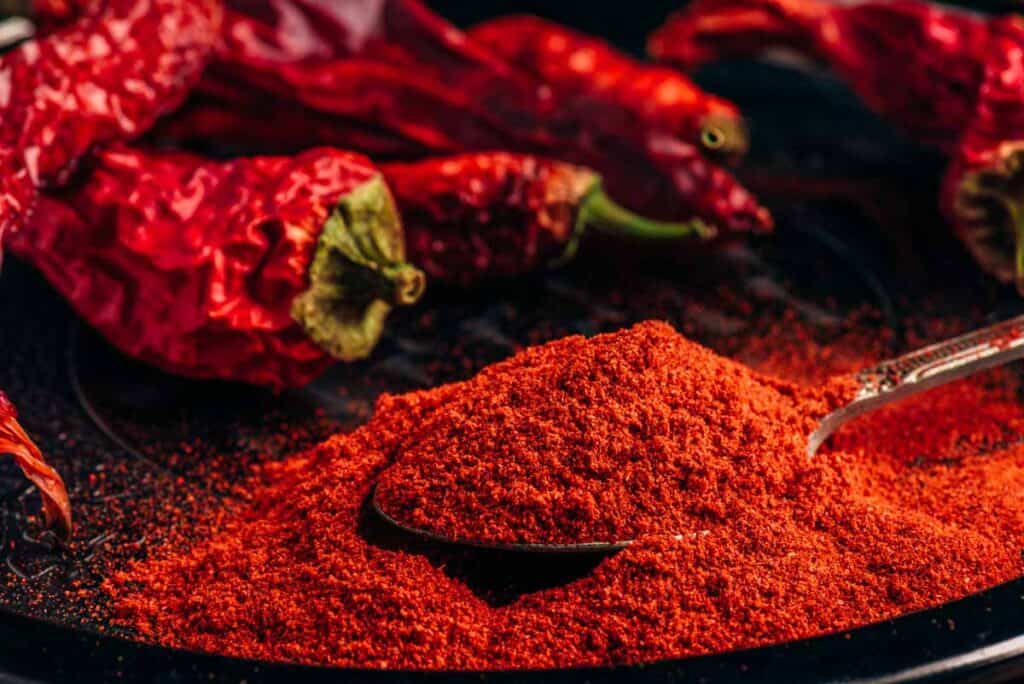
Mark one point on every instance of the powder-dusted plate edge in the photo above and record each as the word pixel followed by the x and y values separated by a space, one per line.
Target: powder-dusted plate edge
pixel 975 639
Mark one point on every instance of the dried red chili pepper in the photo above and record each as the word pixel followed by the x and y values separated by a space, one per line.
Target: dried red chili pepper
pixel 582 70
pixel 245 233
pixel 396 81
pixel 384 110
pixel 917 63
pixel 105 77
pixel 946 75
pixel 983 194
pixel 14 441
pixel 486 215
pixel 266 33
pixel 260 270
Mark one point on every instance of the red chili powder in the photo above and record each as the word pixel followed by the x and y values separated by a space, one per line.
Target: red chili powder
pixel 602 440
pixel 881 524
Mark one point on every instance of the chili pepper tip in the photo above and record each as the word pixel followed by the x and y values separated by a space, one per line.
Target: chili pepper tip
pixel 725 137
pixel 16 442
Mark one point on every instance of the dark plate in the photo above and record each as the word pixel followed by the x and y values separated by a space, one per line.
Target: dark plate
pixel 141 451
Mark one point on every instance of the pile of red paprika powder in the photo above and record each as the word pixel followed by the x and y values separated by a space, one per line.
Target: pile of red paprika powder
pixel 870 528
pixel 561 446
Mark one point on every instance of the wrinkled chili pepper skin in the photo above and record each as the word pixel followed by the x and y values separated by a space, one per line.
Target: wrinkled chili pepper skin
pixel 586 71
pixel 105 77
pixel 983 195
pixel 486 216
pixel 393 31
pixel 195 265
pixel 483 216
pixel 408 84
pixel 917 63
pixel 14 441
pixel 393 67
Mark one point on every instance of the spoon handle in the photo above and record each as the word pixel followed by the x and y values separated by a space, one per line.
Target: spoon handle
pixel 926 368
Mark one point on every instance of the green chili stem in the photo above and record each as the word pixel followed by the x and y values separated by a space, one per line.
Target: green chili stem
pixel 1004 183
pixel 605 215
pixel 406 282
pixel 358 274
pixel 602 213
pixel 1016 216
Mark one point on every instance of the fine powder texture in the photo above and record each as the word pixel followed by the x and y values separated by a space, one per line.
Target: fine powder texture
pixel 891 518
pixel 604 440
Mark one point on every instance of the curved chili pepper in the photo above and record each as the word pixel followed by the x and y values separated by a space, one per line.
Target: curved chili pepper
pixel 14 441
pixel 421 86
pixel 584 71
pixel 485 215
pixel 399 82
pixel 983 193
pixel 917 63
pixel 260 270
pixel 952 78
pixel 105 77
pixel 396 81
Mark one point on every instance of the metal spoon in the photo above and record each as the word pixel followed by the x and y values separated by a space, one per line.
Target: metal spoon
pixel 880 385
pixel 582 547
pixel 921 370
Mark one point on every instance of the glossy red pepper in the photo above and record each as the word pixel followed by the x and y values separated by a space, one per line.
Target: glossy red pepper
pixel 917 63
pixel 584 70
pixel 201 268
pixel 617 95
pixel 495 214
pixel 14 441
pixel 260 270
pixel 983 194
pixel 107 76
pixel 398 82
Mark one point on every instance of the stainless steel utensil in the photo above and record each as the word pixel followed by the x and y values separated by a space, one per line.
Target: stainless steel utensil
pixel 925 368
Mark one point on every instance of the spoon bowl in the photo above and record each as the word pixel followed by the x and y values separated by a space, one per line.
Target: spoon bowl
pixel 583 547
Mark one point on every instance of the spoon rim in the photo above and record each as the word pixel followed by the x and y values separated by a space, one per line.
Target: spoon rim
pixel 519 547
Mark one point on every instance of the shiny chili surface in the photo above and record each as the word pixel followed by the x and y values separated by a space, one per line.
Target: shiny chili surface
pixel 192 264
pixel 106 76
